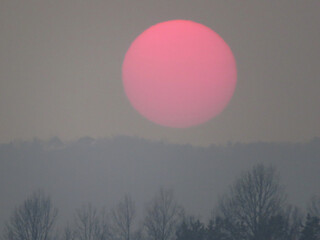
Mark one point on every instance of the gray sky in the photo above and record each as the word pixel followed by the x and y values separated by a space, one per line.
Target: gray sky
pixel 60 68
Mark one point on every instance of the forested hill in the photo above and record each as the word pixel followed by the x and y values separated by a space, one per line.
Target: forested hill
pixel 102 171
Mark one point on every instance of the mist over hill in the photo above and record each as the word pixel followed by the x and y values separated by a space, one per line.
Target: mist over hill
pixel 102 171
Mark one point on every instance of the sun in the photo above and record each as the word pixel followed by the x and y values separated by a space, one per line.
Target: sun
pixel 179 73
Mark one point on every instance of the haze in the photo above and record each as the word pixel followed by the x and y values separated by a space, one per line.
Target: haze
pixel 102 171
pixel 63 106
pixel 60 69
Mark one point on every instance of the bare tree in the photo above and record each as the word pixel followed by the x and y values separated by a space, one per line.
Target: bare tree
pixel 162 217
pixel 89 224
pixel 122 219
pixel 287 225
pixel 254 198
pixel 68 233
pixel 293 218
pixel 32 220
pixel 314 206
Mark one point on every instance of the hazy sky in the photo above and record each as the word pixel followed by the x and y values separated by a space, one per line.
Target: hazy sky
pixel 60 68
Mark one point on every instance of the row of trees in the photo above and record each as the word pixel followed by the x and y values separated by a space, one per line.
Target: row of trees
pixel 255 208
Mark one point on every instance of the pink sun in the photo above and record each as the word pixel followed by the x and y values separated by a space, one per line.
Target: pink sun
pixel 179 73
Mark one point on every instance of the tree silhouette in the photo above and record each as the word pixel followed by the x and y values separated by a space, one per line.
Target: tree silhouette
pixel 220 229
pixel 122 219
pixel 68 234
pixel 314 206
pixel 90 224
pixel 32 220
pixel 253 200
pixel 163 216
pixel 191 229
pixel 311 230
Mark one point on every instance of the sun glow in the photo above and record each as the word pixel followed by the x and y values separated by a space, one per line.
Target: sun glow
pixel 179 73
